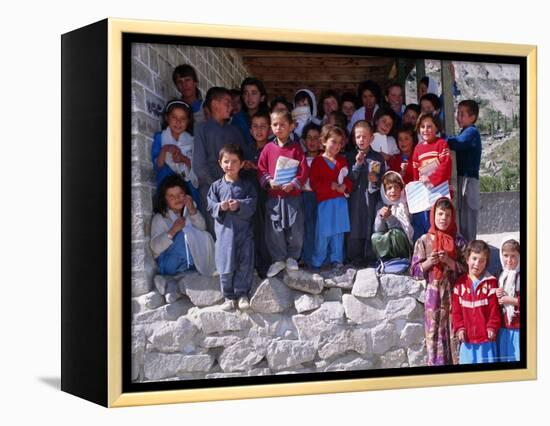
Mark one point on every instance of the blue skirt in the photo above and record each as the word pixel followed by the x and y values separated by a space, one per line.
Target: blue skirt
pixel 508 344
pixel 478 353
pixel 332 217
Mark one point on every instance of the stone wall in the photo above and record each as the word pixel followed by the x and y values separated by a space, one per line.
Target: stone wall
pixel 499 212
pixel 152 86
pixel 298 323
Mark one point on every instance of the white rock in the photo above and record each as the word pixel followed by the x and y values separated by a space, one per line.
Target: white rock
pixel 417 355
pixel 139 340
pixel 260 372
pixel 272 296
pixel 147 302
pixel 307 302
pixel 160 366
pixel 169 312
pixel 173 293
pixel 333 294
pixel 243 355
pixel 304 281
pixel 160 284
pixel 366 283
pixel 172 336
pixel 394 359
pixel 341 280
pixel 363 311
pixel 398 286
pixel 219 341
pixel 350 362
pixel 141 283
pixel 201 290
pixel 383 337
pixel 224 375
pixel 272 325
pixel 218 321
pixel 312 325
pixel 407 308
pixel 421 297
pixel 412 334
pixel 340 339
pixel 284 354
pixel 195 363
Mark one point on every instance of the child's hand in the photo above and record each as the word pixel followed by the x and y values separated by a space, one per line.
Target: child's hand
pixel 249 165
pixel 385 212
pixel 334 186
pixel 273 185
pixel 461 335
pixel 491 334
pixel 507 300
pixel 341 188
pixel 189 203
pixel 360 158
pixel 287 187
pixel 173 149
pixel 180 158
pixel 234 205
pixel 444 258
pixel 177 226
pixel 224 205
pixel 500 292
pixel 386 156
pixel 372 177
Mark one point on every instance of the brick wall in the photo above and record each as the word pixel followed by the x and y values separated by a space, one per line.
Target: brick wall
pixel 152 86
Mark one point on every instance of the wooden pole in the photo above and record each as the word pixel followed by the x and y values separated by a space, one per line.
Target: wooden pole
pixel 420 72
pixel 449 111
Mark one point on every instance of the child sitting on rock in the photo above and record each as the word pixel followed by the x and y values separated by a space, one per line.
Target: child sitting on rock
pixel 393 231
pixel 179 240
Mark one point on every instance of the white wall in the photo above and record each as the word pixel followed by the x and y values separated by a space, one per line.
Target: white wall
pixel 30 314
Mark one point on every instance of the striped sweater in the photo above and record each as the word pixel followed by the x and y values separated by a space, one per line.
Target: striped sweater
pixel 428 152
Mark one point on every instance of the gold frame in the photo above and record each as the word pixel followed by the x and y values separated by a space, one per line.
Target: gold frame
pixel 116 27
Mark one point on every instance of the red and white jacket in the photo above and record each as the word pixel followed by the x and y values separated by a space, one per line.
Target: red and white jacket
pixel 475 311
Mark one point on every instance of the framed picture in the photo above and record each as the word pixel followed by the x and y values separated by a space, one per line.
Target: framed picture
pixel 152 311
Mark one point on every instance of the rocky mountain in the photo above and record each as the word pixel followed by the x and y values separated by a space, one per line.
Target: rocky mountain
pixel 496 88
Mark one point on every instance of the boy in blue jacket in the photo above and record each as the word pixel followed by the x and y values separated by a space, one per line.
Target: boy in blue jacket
pixel 467 145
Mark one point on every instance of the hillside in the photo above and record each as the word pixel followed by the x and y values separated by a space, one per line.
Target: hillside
pixel 496 88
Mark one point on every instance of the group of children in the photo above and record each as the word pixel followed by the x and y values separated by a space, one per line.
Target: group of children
pixel 294 185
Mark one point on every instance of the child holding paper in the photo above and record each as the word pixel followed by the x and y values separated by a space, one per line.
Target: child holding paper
pixel 283 170
pixel 432 165
pixel 330 182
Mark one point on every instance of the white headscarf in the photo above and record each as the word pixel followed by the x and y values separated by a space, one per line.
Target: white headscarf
pixel 313 100
pixel 399 207
pixel 507 279
pixel 185 144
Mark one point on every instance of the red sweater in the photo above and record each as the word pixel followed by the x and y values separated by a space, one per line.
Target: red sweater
pixel 475 312
pixel 394 163
pixel 268 161
pixel 321 177
pixel 425 153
